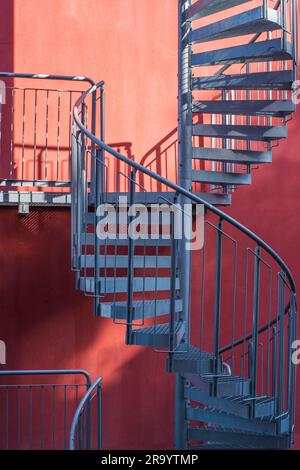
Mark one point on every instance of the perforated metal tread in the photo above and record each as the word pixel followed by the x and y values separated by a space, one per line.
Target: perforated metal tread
pixel 158 335
pixel 229 436
pixel 141 309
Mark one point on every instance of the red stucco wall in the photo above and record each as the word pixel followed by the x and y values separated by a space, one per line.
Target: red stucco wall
pixel 132 45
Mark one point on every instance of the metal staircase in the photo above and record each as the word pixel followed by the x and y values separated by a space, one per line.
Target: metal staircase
pixel 217 300
pixel 225 313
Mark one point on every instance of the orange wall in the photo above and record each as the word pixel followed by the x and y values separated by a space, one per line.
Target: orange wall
pixel 132 45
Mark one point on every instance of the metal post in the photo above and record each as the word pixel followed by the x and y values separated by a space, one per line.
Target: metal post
pixel 130 273
pixel 180 426
pixel 173 288
pixel 274 364
pixel 185 180
pixel 217 304
pixel 281 370
pixel 99 417
pixel 255 320
pixel 284 23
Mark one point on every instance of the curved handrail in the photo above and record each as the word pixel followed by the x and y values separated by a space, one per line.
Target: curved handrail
pixel 41 76
pixel 178 189
pixel 79 410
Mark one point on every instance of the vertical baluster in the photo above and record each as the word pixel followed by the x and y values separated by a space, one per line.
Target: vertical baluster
pixel 53 415
pixel 274 363
pixel 217 304
pixel 173 287
pixel 93 131
pixel 35 133
pixel 73 194
pixel 281 371
pixel 47 137
pixel 99 417
pixel 23 134
pixel 65 416
pixel 19 417
pixel 255 320
pixel 58 135
pixel 30 419
pixel 284 22
pixel 12 114
pixel 130 272
pixel 292 381
pixel 7 418
pixel 42 416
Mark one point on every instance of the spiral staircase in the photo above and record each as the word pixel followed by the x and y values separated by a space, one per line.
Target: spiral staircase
pixel 223 311
pixel 235 381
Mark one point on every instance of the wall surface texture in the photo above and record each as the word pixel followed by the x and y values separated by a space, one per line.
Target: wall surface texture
pixel 46 323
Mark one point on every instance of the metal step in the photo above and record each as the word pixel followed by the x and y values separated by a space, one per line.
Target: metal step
pixel 158 335
pixel 121 261
pixel 89 239
pixel 141 309
pixel 207 415
pixel 275 108
pixel 227 386
pixel 265 408
pixel 227 436
pixel 219 177
pixel 221 404
pixel 148 198
pixel 232 156
pixel 120 284
pixel 259 133
pixel 256 52
pixel 192 361
pixel 203 8
pixel 253 21
pixel 281 80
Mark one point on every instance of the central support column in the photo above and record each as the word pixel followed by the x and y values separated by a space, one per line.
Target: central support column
pixel 185 180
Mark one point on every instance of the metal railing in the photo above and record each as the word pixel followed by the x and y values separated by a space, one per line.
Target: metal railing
pixel 37 408
pixel 35 132
pixel 254 290
pixel 76 440
pixel 288 15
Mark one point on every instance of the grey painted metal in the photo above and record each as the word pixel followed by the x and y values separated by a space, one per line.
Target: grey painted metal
pixel 130 276
pixel 185 119
pixel 229 387
pixel 121 261
pixel 158 335
pixel 237 438
pixel 232 156
pixel 215 177
pixel 260 133
pixel 208 415
pixel 190 195
pixel 255 321
pixel 276 108
pixel 249 22
pixel 50 394
pixel 257 52
pixel 157 198
pixel 191 361
pixel 203 8
pixel 217 302
pixel 85 403
pixel 281 80
pixel 119 284
pixel 141 309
